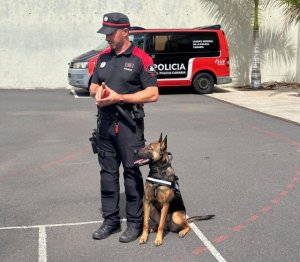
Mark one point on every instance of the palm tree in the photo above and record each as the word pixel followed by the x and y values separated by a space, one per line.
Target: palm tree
pixel 237 21
pixel 255 69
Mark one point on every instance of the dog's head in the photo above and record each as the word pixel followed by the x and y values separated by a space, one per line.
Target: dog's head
pixel 153 153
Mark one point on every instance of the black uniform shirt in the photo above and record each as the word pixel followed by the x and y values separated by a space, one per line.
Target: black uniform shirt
pixel 127 73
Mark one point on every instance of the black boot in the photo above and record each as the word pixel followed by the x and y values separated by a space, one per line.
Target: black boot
pixel 105 231
pixel 130 234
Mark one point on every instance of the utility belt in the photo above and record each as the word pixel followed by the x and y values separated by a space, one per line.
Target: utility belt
pixel 133 111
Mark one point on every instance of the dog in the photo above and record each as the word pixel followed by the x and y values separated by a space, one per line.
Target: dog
pixel 163 203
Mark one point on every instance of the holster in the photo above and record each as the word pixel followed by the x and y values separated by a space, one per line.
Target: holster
pixel 93 140
pixel 138 111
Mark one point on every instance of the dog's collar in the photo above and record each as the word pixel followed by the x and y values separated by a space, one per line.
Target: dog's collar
pixel 159 168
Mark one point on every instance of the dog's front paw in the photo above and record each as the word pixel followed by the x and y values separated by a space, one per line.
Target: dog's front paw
pixel 183 232
pixel 158 241
pixel 143 238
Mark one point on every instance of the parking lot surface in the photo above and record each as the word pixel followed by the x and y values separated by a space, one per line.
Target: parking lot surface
pixel 239 165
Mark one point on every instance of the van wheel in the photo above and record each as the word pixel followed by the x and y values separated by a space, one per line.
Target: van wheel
pixel 203 83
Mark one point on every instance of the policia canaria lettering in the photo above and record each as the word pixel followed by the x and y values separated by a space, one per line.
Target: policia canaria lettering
pixel 170 69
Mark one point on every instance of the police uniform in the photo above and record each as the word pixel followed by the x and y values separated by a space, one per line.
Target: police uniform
pixel 126 73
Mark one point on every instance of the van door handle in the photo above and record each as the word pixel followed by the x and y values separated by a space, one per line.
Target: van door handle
pixel 153 56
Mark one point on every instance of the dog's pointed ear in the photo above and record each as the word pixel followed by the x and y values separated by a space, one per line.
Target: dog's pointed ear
pixel 160 138
pixel 163 144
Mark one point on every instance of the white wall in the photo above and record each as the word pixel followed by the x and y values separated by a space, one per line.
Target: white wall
pixel 40 37
pixel 284 69
pixel 298 57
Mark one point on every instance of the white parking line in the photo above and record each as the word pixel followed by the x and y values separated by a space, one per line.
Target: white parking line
pixel 207 243
pixel 74 93
pixel 76 96
pixel 42 244
pixel 43 237
pixel 52 225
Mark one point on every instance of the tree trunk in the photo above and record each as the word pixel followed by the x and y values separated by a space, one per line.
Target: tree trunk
pixel 255 69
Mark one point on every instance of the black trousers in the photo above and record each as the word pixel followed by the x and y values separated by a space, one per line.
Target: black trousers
pixel 116 148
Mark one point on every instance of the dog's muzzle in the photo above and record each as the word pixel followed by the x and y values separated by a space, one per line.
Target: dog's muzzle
pixel 144 158
pixel 141 162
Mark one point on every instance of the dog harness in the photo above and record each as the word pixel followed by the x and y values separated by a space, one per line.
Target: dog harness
pixel 158 177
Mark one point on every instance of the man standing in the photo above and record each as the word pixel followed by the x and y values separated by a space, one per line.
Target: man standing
pixel 124 79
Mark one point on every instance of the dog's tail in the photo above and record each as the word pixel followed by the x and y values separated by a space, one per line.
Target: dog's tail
pixel 198 218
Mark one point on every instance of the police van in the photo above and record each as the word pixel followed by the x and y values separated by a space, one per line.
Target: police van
pixel 197 57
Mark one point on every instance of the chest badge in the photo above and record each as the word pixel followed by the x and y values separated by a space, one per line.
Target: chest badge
pixel 128 66
pixel 103 64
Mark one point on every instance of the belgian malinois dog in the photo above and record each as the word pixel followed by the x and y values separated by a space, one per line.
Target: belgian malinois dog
pixel 163 203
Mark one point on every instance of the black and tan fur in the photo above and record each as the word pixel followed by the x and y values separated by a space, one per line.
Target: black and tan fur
pixel 162 204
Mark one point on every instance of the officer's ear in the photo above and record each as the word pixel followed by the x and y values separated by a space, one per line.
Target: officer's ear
pixel 125 31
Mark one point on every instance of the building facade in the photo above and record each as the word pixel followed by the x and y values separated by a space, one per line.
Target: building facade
pixel 39 38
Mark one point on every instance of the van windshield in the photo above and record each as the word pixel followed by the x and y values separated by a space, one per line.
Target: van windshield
pixel 103 45
pixel 136 39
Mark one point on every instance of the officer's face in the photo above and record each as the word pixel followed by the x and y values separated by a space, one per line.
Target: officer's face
pixel 117 39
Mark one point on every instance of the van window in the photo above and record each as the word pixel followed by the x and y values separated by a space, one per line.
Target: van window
pixel 204 43
pixel 160 42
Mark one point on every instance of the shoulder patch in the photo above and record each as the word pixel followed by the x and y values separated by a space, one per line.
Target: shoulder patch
pixel 151 69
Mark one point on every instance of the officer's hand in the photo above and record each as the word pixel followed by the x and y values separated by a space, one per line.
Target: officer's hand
pixel 99 93
pixel 104 91
pixel 109 97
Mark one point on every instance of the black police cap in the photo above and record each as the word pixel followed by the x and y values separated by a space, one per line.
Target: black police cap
pixel 112 22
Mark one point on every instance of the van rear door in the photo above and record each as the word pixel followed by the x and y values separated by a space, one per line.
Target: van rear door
pixel 170 63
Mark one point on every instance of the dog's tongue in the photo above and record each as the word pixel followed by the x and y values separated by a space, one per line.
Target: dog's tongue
pixel 141 162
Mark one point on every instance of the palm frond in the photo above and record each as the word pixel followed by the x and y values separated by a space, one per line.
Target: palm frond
pixel 291 10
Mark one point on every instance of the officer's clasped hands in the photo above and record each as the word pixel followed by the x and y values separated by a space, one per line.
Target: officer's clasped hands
pixel 106 96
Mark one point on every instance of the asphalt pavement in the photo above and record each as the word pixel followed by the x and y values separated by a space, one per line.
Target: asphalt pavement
pixel 237 164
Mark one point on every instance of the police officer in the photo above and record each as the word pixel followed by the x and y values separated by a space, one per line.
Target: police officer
pixel 124 79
